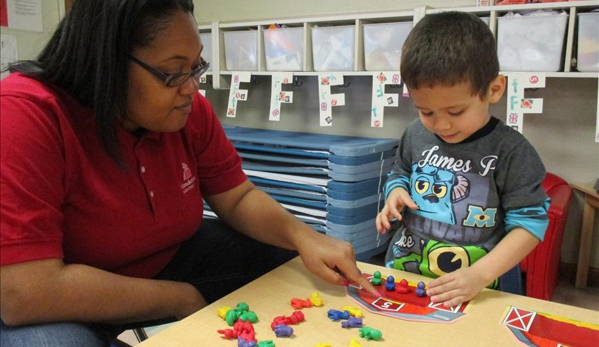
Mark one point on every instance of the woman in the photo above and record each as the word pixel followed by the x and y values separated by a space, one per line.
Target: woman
pixel 108 152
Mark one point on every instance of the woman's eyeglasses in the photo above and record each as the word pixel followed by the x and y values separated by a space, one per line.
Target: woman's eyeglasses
pixel 178 79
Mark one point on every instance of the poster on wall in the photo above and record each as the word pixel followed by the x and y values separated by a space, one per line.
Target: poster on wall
pixel 3 14
pixel 22 14
pixel 9 53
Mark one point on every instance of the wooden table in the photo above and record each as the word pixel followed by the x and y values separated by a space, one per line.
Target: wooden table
pixel 591 204
pixel 270 296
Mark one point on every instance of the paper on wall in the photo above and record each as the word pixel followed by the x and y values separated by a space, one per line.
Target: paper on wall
pixel 277 95
pixel 517 104
pixel 203 80
pixel 235 93
pixel 380 99
pixel 338 99
pixel 597 123
pixel 325 81
pixel 9 52
pixel 25 15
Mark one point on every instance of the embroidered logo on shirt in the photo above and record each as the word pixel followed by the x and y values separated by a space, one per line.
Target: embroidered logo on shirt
pixel 186 172
pixel 188 178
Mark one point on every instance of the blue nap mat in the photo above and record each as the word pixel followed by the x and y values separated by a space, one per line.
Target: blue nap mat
pixel 294 143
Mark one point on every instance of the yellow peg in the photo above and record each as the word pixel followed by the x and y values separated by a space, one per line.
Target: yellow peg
pixel 316 300
pixel 222 311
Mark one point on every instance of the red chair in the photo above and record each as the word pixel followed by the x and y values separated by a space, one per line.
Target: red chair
pixel 540 267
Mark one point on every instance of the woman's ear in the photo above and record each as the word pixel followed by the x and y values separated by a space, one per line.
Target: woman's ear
pixel 496 89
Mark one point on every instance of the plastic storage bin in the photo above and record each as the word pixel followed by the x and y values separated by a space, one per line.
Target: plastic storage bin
pixel 284 49
pixel 207 52
pixel 383 43
pixel 241 50
pixel 531 43
pixel 588 42
pixel 333 48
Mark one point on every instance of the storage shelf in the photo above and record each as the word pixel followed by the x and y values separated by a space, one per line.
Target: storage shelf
pixel 370 73
pixel 528 7
pixel 573 74
pixel 359 20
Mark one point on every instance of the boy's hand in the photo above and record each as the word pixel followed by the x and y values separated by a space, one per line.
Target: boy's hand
pixel 396 201
pixel 456 287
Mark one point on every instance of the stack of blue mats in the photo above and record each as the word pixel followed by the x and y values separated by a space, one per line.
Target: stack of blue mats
pixel 331 182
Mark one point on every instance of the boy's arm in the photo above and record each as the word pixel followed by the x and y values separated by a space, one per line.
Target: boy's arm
pixel 400 175
pixel 510 251
pixel 396 199
pixel 462 285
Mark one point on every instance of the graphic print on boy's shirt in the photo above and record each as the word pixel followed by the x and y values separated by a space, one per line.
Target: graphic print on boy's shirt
pixel 453 221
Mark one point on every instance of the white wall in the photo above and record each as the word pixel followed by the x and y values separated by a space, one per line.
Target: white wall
pixel 207 11
pixel 563 135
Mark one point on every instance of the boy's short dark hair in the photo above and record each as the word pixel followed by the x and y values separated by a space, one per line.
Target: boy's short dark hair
pixel 450 48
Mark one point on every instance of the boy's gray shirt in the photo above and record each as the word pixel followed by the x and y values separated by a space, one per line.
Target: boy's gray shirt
pixel 464 192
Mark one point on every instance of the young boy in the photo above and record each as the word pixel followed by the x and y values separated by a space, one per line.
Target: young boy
pixel 470 185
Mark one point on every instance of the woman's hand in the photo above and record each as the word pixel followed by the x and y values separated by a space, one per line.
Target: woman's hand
pixel 333 260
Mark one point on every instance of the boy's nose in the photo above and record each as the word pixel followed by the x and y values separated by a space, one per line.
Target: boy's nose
pixel 442 124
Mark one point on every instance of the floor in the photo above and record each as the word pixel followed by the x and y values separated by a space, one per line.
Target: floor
pixel 565 293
